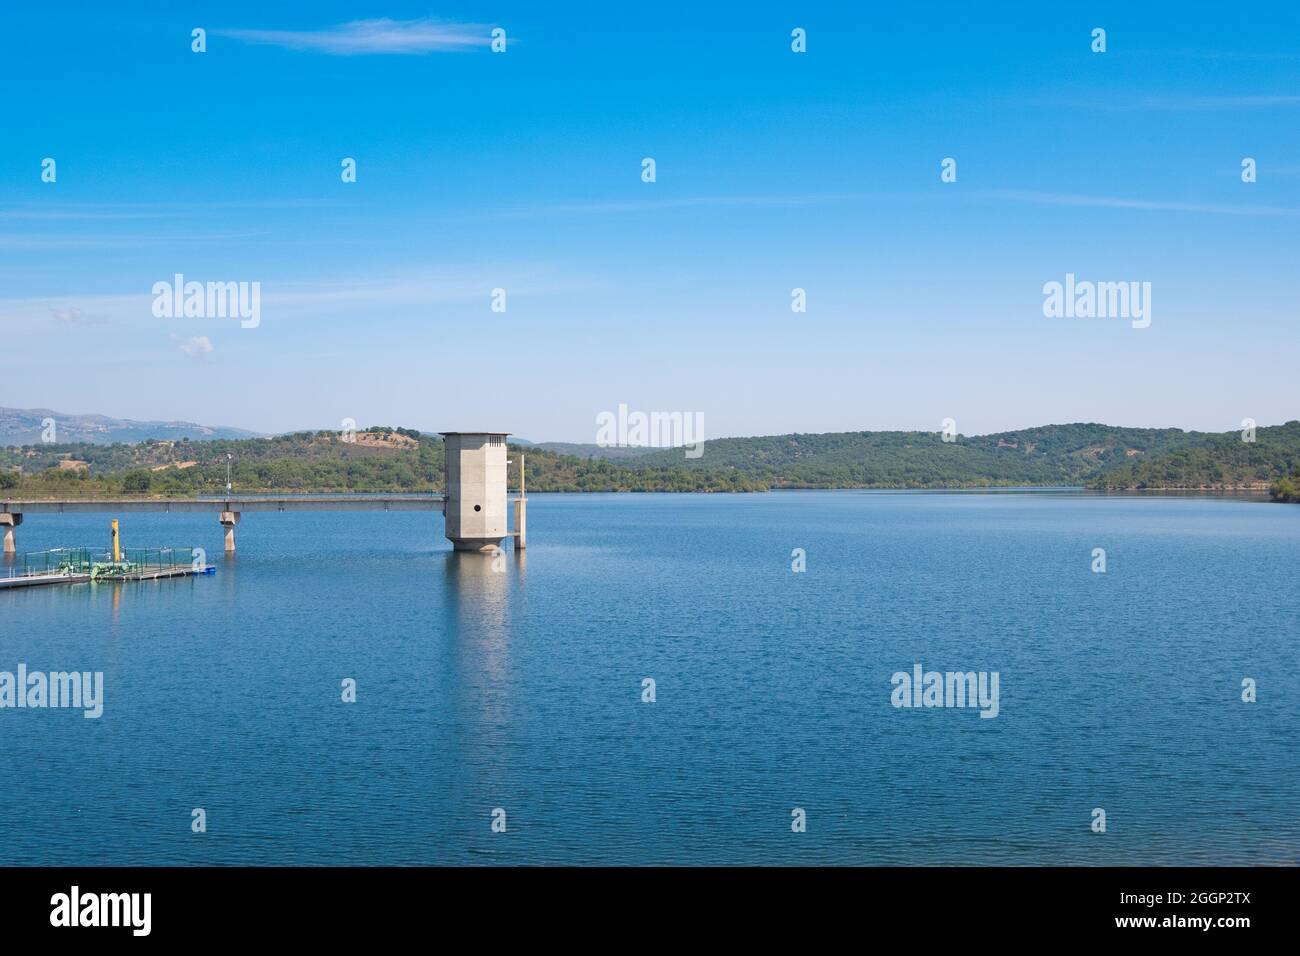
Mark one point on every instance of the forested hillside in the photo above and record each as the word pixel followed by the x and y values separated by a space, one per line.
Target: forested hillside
pixel 1048 455
pixel 1216 462
pixel 382 459
pixel 378 460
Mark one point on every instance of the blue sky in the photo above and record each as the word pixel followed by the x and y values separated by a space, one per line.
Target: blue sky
pixel 775 170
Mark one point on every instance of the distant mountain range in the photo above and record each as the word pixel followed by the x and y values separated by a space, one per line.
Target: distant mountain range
pixel 24 426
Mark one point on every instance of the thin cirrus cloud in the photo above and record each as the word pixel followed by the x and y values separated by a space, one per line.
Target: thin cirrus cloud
pixel 74 316
pixel 372 36
pixel 1191 103
pixel 132 210
pixel 1114 202
pixel 35 243
pixel 1170 104
pixel 597 207
pixel 299 300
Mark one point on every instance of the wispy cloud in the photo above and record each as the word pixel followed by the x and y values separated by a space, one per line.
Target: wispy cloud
pixel 165 210
pixel 37 312
pixel 372 36
pixel 1112 202
pixel 415 293
pixel 58 215
pixel 616 206
pixel 74 316
pixel 1169 104
pixel 419 291
pixel 1228 56
pixel 36 243
pixel 1194 103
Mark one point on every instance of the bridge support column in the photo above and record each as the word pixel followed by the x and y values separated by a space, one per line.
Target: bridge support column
pixel 8 522
pixel 228 521
pixel 521 522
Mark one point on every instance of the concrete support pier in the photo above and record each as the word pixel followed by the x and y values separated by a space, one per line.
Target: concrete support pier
pixel 8 522
pixel 521 521
pixel 521 509
pixel 228 521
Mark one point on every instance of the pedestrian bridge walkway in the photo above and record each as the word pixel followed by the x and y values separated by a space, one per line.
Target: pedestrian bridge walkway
pixel 228 509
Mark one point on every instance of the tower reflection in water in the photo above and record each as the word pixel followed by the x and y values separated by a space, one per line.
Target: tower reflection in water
pixel 484 593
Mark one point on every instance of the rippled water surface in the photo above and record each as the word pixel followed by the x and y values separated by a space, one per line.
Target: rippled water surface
pixel 521 689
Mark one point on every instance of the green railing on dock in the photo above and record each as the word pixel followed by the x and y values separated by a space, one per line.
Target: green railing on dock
pixel 55 561
pixel 87 560
pixel 150 558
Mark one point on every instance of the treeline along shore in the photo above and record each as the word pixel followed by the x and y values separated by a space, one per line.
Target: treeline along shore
pixel 384 459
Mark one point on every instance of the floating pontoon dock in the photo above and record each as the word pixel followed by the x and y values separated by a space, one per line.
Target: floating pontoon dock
pixel 90 566
pixel 34 580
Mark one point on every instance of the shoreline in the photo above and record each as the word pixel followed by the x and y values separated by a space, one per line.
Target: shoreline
pixel 1259 493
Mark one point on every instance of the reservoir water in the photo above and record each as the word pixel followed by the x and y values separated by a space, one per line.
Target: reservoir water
pixel 522 688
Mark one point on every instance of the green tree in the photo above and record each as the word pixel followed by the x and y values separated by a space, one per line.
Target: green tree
pixel 1286 489
pixel 136 481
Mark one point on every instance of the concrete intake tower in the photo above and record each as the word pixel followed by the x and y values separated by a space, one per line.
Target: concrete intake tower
pixel 476 490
